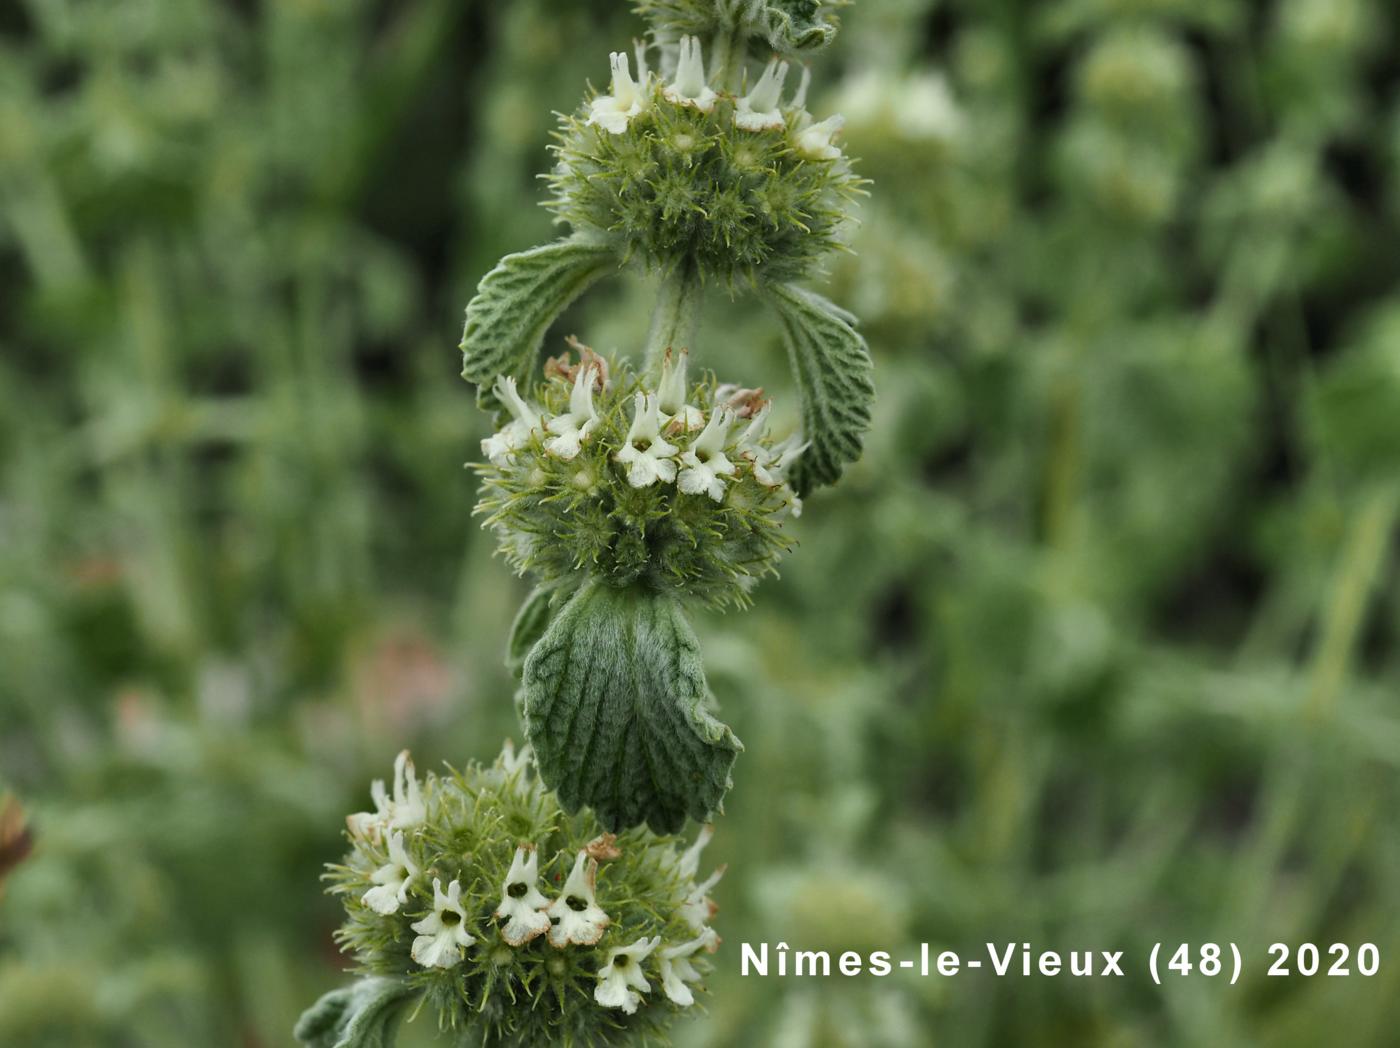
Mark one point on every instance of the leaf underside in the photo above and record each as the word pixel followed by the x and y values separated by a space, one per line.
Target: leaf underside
pixel 831 363
pixel 363 1015
pixel 615 708
pixel 515 305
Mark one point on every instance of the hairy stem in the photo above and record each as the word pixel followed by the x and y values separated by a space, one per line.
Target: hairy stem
pixel 674 319
pixel 727 59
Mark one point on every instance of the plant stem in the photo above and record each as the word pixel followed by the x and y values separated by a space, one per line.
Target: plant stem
pixel 727 59
pixel 1359 571
pixel 1360 566
pixel 674 319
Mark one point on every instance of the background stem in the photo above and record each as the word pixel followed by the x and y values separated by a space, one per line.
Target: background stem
pixel 1360 566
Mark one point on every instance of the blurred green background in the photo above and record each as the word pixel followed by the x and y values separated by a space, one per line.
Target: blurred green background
pixel 1096 647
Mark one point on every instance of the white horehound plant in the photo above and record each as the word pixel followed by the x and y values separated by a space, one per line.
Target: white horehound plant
pixel 475 895
pixel 631 494
pixel 556 910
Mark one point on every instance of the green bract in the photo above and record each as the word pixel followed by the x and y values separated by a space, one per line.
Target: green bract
pixel 474 894
pixel 568 512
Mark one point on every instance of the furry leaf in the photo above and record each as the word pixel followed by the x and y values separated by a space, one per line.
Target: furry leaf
pixel 363 1015
pixel 530 623
pixel 798 25
pixel 517 302
pixel 615 707
pixel 832 366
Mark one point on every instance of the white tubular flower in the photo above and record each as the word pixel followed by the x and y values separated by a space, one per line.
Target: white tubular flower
pixel 770 464
pixel 705 461
pixel 751 443
pixel 689 863
pixel 698 907
pixel 689 87
pixel 814 142
pixel 614 112
pixel 402 811
pixel 576 916
pixel 621 978
pixel 770 469
pixel 501 448
pixel 521 902
pixel 511 762
pixel 391 880
pixel 367 825
pixel 512 769
pixel 647 457
pixel 676 969
pixel 671 392
pixel 569 430
pixel 758 110
pixel 442 935
pixel 799 100
pixel 407 807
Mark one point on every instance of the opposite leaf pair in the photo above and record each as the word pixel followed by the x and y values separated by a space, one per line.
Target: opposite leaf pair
pixel 519 300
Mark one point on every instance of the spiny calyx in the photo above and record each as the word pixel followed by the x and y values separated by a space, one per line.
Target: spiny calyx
pixel 744 188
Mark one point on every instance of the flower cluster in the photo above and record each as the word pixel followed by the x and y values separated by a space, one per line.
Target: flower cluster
pixel 673 488
pixel 676 172
pixel 522 924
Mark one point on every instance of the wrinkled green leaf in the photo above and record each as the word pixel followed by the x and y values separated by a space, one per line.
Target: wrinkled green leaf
pixel 831 363
pixel 531 621
pixel 615 707
pixel 517 302
pixel 798 25
pixel 363 1015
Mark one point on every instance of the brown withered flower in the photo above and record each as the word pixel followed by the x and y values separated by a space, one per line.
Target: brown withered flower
pixel 563 367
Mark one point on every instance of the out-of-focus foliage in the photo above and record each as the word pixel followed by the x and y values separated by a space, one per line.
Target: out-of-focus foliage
pixel 1096 646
